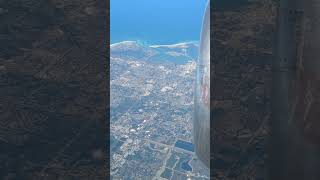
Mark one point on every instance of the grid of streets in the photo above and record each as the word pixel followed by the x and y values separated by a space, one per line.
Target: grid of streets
pixel 151 112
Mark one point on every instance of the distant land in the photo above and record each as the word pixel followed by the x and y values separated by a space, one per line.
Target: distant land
pixel 178 53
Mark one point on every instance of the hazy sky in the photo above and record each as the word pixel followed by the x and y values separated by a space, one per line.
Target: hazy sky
pixel 156 21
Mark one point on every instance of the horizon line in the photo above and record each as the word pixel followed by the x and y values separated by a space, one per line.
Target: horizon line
pixel 150 45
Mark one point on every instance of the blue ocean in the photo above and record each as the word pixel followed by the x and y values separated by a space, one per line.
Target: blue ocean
pixel 156 21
